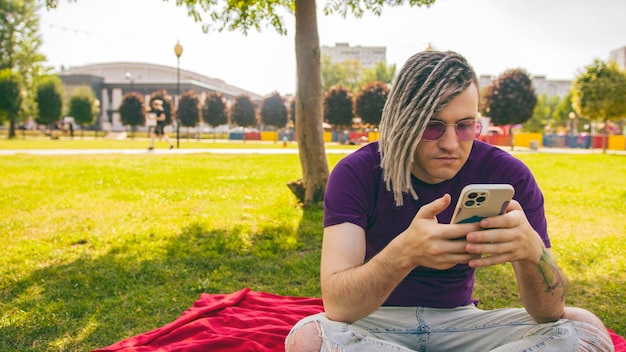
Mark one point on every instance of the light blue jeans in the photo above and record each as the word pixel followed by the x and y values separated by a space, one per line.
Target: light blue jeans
pixel 464 328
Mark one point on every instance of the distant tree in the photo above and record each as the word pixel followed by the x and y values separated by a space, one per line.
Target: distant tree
pixel 599 93
pixel 167 103
pixel 19 45
pixel 509 100
pixel 243 112
pixel 339 108
pixel 381 72
pixel 49 99
pixel 292 111
pixel 132 112
pixel 274 111
pixel 542 114
pixel 348 74
pixel 352 75
pixel 10 98
pixel 332 74
pixel 82 106
pixel 370 101
pixel 214 110
pixel 189 110
pixel 562 110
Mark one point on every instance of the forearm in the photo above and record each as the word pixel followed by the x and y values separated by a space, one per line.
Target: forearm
pixel 354 293
pixel 352 289
pixel 543 287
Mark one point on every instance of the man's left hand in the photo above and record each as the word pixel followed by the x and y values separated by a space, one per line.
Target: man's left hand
pixel 505 238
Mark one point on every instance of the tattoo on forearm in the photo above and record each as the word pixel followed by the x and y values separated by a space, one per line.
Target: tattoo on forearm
pixel 552 275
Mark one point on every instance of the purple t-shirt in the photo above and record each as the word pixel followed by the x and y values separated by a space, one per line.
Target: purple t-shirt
pixel 356 193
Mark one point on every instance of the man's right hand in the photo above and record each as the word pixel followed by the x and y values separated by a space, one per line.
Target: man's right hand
pixel 431 244
pixel 353 289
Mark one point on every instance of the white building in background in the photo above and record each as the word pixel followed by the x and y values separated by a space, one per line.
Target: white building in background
pixel 369 56
pixel 110 81
pixel 619 56
pixel 560 87
pixel 551 87
pixel 540 83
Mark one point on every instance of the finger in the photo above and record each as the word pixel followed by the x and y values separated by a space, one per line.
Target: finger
pixel 433 208
pixel 455 246
pixel 448 261
pixel 493 235
pixel 461 231
pixel 488 261
pixel 467 258
pixel 504 220
pixel 507 220
pixel 513 205
pixel 489 248
pixel 495 241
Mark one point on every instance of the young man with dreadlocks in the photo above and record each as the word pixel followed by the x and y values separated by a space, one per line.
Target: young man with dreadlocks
pixel 396 275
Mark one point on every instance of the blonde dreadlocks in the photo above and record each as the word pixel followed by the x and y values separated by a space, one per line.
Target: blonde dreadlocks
pixel 427 82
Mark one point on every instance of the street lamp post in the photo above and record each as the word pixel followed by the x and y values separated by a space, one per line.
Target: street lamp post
pixel 96 105
pixel 572 123
pixel 178 50
pixel 129 76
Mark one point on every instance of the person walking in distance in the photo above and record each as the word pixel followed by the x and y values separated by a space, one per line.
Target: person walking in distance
pixel 157 112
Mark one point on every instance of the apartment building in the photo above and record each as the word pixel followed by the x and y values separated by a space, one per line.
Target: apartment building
pixel 619 56
pixel 369 56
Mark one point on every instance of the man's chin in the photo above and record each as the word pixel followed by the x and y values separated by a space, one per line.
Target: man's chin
pixel 443 174
pixel 436 173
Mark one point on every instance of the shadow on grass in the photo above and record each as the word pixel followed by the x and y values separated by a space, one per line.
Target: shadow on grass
pixel 93 302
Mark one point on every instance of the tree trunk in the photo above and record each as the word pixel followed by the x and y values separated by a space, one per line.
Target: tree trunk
pixel 605 137
pixel 12 122
pixel 309 131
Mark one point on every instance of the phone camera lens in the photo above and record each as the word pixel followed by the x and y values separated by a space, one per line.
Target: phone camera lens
pixel 480 199
pixel 469 203
pixel 472 195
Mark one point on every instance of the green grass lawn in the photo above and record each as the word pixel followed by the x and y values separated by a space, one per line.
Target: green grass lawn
pixel 98 248
pixel 141 142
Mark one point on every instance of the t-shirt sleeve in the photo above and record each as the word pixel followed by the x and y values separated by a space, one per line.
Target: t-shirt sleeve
pixel 348 194
pixel 530 197
pixel 533 204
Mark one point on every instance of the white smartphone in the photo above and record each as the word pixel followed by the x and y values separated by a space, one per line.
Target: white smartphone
pixel 479 201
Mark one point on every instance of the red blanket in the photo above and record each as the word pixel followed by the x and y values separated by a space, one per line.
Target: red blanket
pixel 241 321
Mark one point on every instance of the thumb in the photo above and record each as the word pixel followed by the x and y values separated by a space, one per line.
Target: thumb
pixel 432 209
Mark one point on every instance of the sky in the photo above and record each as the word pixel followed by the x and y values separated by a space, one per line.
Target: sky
pixel 554 38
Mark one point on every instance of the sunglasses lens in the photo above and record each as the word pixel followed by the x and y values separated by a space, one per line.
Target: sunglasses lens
pixel 467 130
pixel 434 130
